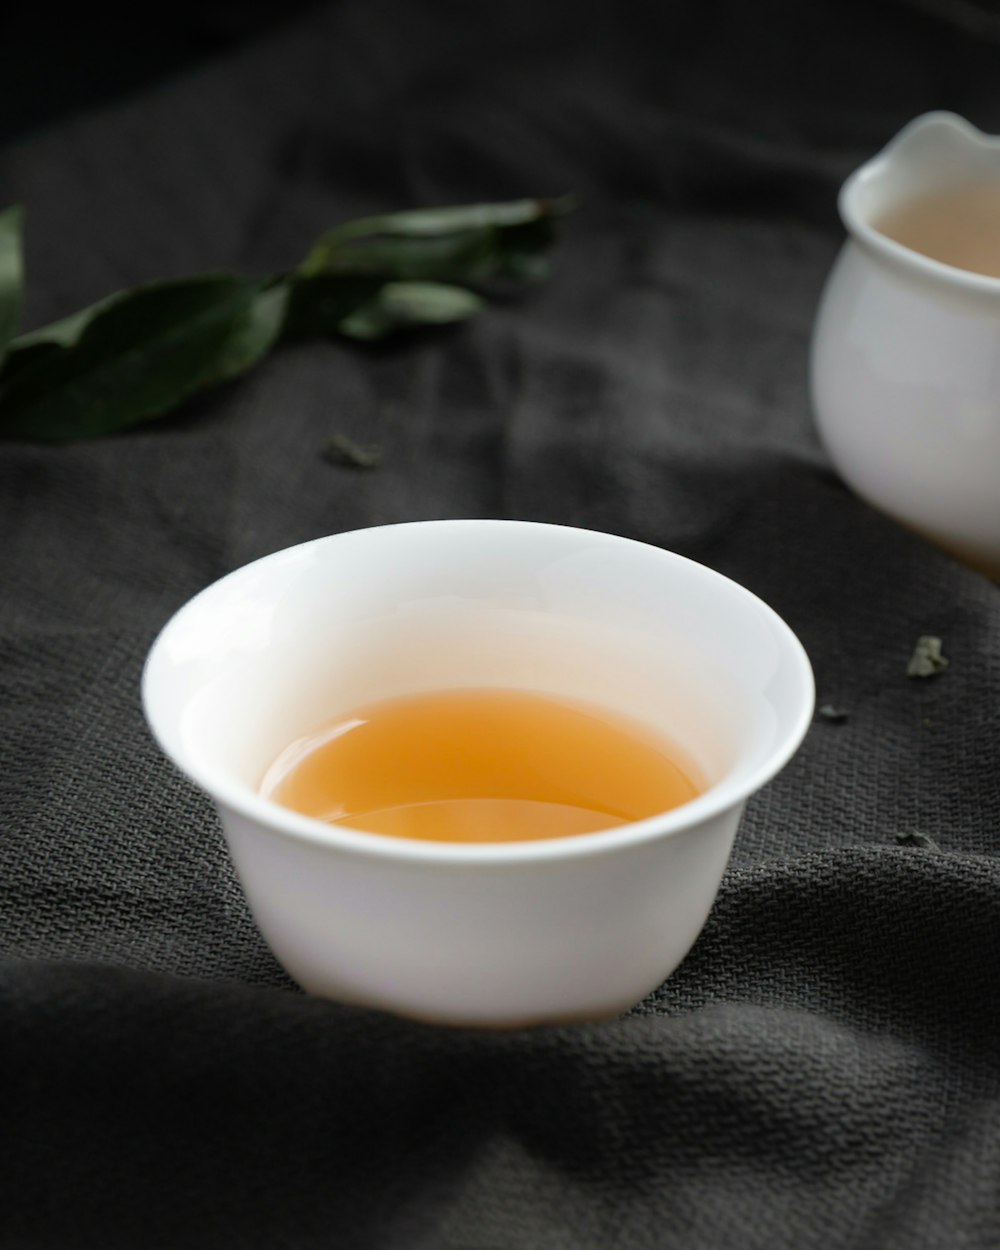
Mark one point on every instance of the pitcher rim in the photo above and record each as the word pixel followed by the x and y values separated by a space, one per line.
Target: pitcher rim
pixel 898 255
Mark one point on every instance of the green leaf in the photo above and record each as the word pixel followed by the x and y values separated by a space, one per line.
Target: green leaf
pixel 405 305
pixel 27 350
pixel 317 306
pixel 342 450
pixel 469 257
pixel 11 274
pixel 65 333
pixel 137 356
pixel 253 334
pixel 427 222
pixel 468 243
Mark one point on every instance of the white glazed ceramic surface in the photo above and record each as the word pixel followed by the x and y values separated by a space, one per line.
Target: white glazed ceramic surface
pixel 905 368
pixel 478 934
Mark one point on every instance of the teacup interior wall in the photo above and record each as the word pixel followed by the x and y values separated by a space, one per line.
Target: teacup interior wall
pixel 289 644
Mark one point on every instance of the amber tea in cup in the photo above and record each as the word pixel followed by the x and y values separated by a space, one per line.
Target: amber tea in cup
pixel 481 765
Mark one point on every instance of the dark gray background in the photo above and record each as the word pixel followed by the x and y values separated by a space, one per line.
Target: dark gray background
pixel 822 1071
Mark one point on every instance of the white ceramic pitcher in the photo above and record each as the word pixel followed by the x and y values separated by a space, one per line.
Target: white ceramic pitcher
pixel 905 368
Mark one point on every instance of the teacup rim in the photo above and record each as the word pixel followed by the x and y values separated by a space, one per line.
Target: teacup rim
pixel 276 820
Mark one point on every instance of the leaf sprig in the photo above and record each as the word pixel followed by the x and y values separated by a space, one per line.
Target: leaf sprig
pixel 138 354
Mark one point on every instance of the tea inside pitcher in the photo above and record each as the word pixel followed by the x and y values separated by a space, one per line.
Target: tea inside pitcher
pixel 481 766
pixel 959 227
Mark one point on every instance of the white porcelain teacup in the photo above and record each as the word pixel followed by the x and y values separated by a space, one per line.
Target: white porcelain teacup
pixel 503 933
pixel 905 367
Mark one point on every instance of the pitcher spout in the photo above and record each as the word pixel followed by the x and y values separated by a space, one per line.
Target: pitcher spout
pixel 934 155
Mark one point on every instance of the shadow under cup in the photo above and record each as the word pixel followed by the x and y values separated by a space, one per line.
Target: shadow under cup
pixel 505 933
